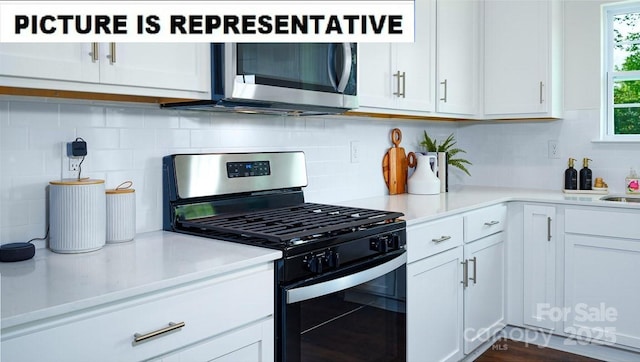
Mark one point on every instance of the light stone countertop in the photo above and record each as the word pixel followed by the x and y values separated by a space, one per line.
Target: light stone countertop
pixel 52 284
pixel 421 208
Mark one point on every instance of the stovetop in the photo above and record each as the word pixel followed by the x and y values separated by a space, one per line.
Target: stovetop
pixel 292 226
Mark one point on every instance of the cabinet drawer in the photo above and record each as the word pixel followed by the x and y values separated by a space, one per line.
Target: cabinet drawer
pixel 106 334
pixel 433 237
pixel 483 222
pixel 617 224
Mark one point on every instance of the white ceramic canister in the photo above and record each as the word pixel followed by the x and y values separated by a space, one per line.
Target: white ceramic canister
pixel 121 213
pixel 77 215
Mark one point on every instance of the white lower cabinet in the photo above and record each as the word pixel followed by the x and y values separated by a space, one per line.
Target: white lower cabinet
pixel 455 290
pixel 224 317
pixel 602 254
pixel 539 264
pixel 434 291
pixel 484 294
pixel 252 343
pixel 434 308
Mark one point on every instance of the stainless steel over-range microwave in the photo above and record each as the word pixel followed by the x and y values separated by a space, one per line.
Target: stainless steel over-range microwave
pixel 289 78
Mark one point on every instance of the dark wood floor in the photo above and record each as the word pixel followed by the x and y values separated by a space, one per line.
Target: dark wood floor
pixel 512 351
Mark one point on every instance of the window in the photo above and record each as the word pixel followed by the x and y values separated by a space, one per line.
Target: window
pixel 621 61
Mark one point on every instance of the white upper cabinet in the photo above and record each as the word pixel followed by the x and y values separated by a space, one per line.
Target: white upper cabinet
pixel 457 47
pixel 172 70
pixel 522 59
pixel 400 76
pixel 156 65
pixel 55 61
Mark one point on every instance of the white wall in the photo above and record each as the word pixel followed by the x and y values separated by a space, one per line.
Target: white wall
pixel 515 154
pixel 128 142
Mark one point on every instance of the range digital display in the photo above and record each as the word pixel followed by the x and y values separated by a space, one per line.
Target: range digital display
pixel 248 169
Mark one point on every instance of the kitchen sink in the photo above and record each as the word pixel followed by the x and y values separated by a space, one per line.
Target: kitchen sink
pixel 621 198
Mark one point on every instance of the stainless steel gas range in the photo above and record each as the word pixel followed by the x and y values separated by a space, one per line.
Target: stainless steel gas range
pixel 340 286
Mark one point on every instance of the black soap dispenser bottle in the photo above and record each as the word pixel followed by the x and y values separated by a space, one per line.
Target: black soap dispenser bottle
pixel 585 175
pixel 571 176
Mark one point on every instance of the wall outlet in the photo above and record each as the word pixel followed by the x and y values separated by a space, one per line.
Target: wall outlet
pixel 74 163
pixel 355 151
pixel 70 165
pixel 553 150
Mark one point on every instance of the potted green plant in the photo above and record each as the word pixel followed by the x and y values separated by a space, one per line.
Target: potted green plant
pixel 431 145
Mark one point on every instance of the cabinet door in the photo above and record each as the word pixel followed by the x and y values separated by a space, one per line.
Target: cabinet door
pixel 516 56
pixel 539 265
pixel 417 61
pixel 434 308
pixel 457 40
pixel 55 61
pixel 178 66
pixel 601 289
pixel 375 81
pixel 252 343
pixel 484 297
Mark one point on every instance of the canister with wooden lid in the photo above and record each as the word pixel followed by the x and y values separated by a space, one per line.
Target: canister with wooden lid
pixel 77 215
pixel 121 213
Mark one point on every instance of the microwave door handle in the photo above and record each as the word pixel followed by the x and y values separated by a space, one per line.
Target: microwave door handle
pixel 346 73
pixel 325 288
pixel 331 56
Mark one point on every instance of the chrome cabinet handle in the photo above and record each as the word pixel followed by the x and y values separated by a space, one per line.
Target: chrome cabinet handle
pixel 94 52
pixel 112 50
pixel 491 223
pixel 548 228
pixel 441 239
pixel 465 273
pixel 398 76
pixel 475 270
pixel 335 285
pixel 444 98
pixel 541 85
pixel 172 327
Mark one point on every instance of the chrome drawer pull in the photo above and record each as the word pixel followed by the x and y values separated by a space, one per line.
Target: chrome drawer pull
pixel 172 327
pixel 491 223
pixel 465 273
pixel 442 238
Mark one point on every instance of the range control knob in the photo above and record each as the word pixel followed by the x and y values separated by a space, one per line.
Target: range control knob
pixel 314 263
pixel 332 259
pixel 379 244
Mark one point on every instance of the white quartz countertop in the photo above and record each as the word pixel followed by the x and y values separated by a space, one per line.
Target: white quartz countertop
pixel 51 284
pixel 421 208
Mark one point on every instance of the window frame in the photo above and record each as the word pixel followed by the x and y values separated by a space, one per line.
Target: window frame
pixel 609 76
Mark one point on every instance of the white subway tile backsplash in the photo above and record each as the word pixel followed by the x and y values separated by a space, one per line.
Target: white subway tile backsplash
pixel 109 160
pixel 72 115
pixel 191 120
pixel 161 118
pixel 22 162
pixel 125 117
pixel 14 138
pixel 4 114
pixel 49 139
pixel 137 138
pixel 33 114
pixel 206 138
pixel 173 138
pixel 99 138
pixel 129 143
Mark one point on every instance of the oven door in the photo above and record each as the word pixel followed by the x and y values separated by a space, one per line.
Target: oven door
pixel 358 316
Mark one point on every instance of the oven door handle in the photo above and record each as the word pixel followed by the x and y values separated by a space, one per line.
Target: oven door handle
pixel 317 290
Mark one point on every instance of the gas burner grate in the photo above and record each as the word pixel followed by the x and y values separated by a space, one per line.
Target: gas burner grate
pixel 293 225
